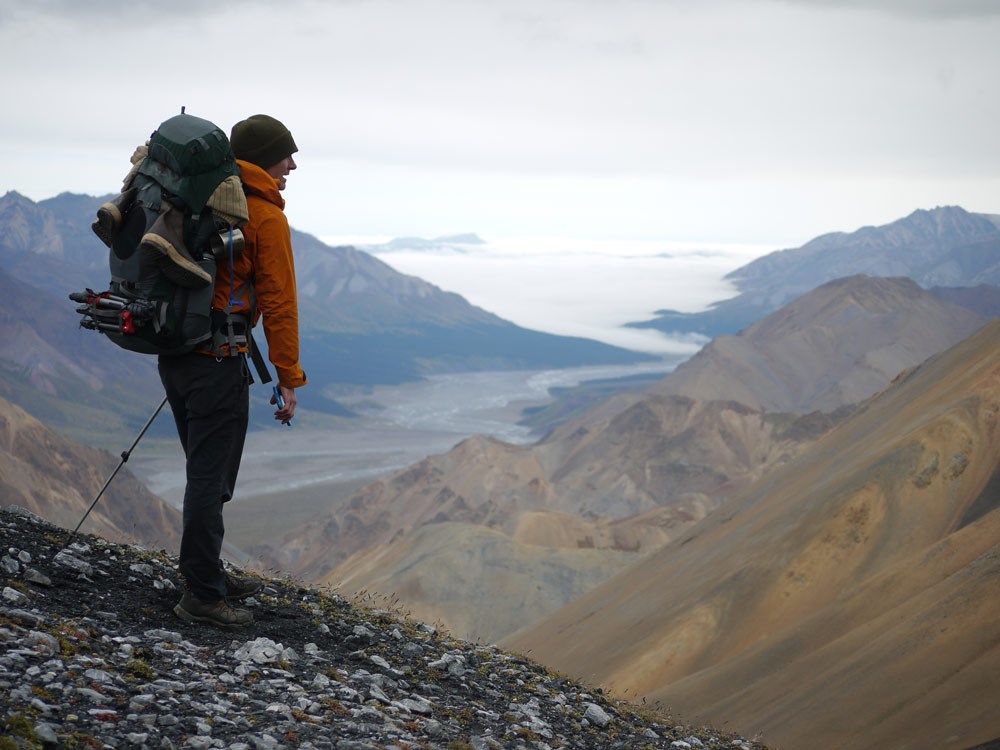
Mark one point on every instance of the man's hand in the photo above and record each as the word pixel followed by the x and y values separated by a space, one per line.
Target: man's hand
pixel 284 398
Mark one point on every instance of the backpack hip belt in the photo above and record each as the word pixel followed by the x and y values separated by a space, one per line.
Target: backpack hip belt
pixel 228 338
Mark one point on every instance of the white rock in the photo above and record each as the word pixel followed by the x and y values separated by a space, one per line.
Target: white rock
pixel 596 715
pixel 14 596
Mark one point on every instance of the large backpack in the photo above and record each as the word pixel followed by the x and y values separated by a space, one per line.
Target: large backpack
pixel 166 239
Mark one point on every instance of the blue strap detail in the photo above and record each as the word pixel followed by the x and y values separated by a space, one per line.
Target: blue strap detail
pixel 232 272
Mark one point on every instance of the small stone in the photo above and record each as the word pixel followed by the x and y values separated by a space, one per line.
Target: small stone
pixel 99 676
pixel 321 681
pixel 413 650
pixel 47 642
pixel 361 631
pixel 46 733
pixel 41 706
pixel 66 559
pixel 39 579
pixel 414 705
pixel 13 596
pixel 168 636
pixel 596 715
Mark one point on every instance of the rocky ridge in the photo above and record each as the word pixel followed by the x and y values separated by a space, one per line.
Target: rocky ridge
pixel 93 658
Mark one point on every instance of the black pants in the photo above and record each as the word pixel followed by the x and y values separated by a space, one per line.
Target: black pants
pixel 210 401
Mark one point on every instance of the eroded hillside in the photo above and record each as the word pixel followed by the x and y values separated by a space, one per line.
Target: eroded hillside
pixel 627 477
pixel 847 600
pixel 58 479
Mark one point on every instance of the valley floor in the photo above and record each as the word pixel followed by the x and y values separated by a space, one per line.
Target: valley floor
pixel 305 469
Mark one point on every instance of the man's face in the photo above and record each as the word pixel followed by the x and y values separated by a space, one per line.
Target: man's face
pixel 281 170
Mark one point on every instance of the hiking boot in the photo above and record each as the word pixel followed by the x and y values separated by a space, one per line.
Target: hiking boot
pixel 218 613
pixel 240 588
pixel 110 215
pixel 166 237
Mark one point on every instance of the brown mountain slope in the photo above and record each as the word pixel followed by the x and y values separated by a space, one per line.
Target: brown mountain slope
pixel 670 450
pixel 666 458
pixel 58 479
pixel 485 584
pixel 846 600
pixel 541 530
pixel 837 345
pixel 477 581
pixel 660 460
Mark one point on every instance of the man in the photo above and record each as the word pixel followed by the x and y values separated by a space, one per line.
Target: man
pixel 208 390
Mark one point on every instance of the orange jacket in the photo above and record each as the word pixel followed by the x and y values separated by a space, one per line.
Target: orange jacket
pixel 265 273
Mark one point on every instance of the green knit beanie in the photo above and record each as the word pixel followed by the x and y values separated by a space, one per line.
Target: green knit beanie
pixel 261 140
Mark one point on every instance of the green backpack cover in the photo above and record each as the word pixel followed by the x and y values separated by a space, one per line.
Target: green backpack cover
pixel 189 158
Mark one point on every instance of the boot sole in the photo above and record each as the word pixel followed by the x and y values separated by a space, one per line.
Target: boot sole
pixel 175 266
pixel 109 219
pixel 188 617
pixel 111 215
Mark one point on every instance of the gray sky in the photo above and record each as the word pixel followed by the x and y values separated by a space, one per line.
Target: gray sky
pixel 757 121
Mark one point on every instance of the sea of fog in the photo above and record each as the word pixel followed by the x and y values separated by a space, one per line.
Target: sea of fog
pixel 574 287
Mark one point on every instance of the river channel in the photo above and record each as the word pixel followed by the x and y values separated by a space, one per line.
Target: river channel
pixel 401 425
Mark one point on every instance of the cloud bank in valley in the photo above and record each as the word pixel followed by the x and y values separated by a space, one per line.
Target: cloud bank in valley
pixel 575 288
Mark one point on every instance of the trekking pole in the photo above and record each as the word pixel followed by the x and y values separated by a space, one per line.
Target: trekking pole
pixel 125 457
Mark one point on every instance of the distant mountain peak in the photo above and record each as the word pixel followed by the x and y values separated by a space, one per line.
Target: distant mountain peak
pixel 467 238
pixel 12 196
pixel 937 226
pixel 455 243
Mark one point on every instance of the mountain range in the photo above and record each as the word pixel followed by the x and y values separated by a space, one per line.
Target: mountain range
pixel 362 323
pixel 833 346
pixel 941 247
pixel 793 534
pixel 625 477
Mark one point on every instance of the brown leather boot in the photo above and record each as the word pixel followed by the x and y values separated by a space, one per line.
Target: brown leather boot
pixel 219 613
pixel 166 237
pixel 110 215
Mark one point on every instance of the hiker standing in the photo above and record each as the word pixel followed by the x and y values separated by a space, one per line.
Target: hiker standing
pixel 208 391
